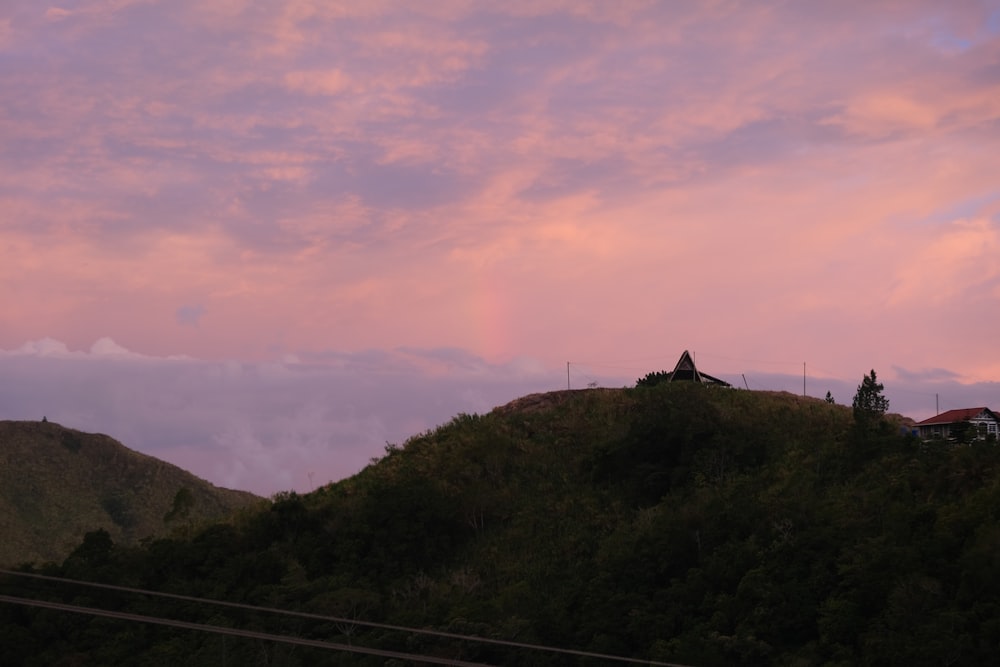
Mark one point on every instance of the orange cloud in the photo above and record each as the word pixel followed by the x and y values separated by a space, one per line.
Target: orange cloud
pixel 953 260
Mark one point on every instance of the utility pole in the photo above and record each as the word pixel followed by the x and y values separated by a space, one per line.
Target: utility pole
pixel 567 375
pixel 803 378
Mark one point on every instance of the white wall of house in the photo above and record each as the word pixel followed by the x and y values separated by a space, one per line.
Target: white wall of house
pixel 986 427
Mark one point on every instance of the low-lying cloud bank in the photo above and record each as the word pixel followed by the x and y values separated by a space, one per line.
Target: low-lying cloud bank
pixel 303 421
pixel 264 427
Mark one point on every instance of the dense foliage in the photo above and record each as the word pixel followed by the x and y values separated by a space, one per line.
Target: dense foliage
pixel 653 378
pixel 677 523
pixel 57 483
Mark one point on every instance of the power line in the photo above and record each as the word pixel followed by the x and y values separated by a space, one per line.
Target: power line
pixel 335 619
pixel 617 366
pixel 625 363
pixel 236 632
pixel 751 361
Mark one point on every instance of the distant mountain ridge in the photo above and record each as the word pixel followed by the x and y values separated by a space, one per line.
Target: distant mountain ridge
pixel 57 484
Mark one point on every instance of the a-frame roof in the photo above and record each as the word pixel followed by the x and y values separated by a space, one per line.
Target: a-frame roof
pixel 685 370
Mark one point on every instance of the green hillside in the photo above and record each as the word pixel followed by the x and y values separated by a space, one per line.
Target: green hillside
pixel 676 523
pixel 57 484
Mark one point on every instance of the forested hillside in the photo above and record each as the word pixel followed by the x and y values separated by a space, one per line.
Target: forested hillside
pixel 57 484
pixel 674 523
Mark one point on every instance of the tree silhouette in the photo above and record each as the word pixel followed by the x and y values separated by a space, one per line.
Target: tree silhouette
pixel 869 404
pixel 653 379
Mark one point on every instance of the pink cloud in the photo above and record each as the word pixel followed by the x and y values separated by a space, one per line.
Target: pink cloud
pixel 6 33
pixel 962 254
pixel 329 82
pixel 549 180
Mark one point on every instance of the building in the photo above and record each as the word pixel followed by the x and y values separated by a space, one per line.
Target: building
pixel 956 424
pixel 684 371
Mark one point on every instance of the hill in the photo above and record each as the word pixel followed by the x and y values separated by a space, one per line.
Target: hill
pixel 677 523
pixel 56 484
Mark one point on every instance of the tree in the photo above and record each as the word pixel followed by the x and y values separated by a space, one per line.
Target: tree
pixel 829 398
pixel 965 432
pixel 869 404
pixel 183 502
pixel 653 379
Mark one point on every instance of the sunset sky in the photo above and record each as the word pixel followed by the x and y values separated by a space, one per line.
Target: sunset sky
pixel 261 239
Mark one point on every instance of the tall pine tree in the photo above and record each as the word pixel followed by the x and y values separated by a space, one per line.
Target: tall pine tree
pixel 870 405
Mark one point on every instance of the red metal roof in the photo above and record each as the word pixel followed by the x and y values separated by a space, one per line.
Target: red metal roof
pixel 953 416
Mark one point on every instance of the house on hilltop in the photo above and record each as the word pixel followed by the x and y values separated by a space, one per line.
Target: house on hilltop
pixel 684 371
pixel 955 424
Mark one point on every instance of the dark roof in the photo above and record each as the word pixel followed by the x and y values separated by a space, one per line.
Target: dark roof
pixel 960 415
pixel 686 370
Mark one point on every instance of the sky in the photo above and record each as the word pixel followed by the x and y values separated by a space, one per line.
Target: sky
pixel 261 240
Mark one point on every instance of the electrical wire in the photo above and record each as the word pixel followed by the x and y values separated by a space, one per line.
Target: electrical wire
pixel 349 621
pixel 236 632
